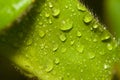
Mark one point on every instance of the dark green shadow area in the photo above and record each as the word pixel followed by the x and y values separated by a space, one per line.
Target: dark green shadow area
pixel 12 39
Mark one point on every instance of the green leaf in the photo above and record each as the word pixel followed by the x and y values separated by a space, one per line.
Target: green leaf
pixel 10 10
pixel 61 40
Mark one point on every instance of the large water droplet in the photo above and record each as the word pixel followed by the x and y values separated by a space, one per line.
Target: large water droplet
pixel 41 34
pixel 81 7
pixel 62 37
pixel 49 67
pixel 80 48
pixel 57 61
pixel 66 25
pixel 91 55
pixel 109 46
pixel 79 34
pixel 87 18
pixel 56 12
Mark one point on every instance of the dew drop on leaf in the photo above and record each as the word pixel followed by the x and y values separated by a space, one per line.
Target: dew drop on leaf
pixel 87 18
pixel 91 55
pixel 109 46
pixel 95 26
pixel 72 42
pixel 57 61
pixel 81 7
pixel 49 67
pixel 62 37
pixel 41 33
pixel 66 25
pixel 29 42
pixel 47 15
pixel 80 48
pixel 55 47
pixel 79 34
pixel 56 12
pixel 50 5
pixel 105 36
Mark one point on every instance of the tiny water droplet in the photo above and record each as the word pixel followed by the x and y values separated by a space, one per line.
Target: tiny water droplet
pixel 81 7
pixel 87 18
pixel 57 61
pixel 66 7
pixel 40 23
pixel 95 40
pixel 72 42
pixel 66 25
pixel 50 21
pixel 80 48
pixel 29 42
pixel 50 5
pixel 79 34
pixel 47 15
pixel 109 46
pixel 49 67
pixel 91 55
pixel 106 66
pixel 102 53
pixel 63 37
pixel 56 12
pixel 41 34
pixel 55 47
pixel 81 70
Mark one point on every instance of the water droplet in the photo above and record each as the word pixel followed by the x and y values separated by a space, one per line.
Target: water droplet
pixel 91 55
pixel 56 12
pixel 81 7
pixel 102 53
pixel 41 34
pixel 79 34
pixel 109 46
pixel 95 40
pixel 95 26
pixel 88 18
pixel 50 21
pixel 49 67
pixel 66 25
pixel 47 15
pixel 40 23
pixel 72 42
pixel 80 48
pixel 66 7
pixel 63 37
pixel 81 70
pixel 55 47
pixel 106 66
pixel 57 61
pixel 29 42
pixel 105 36
pixel 50 5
